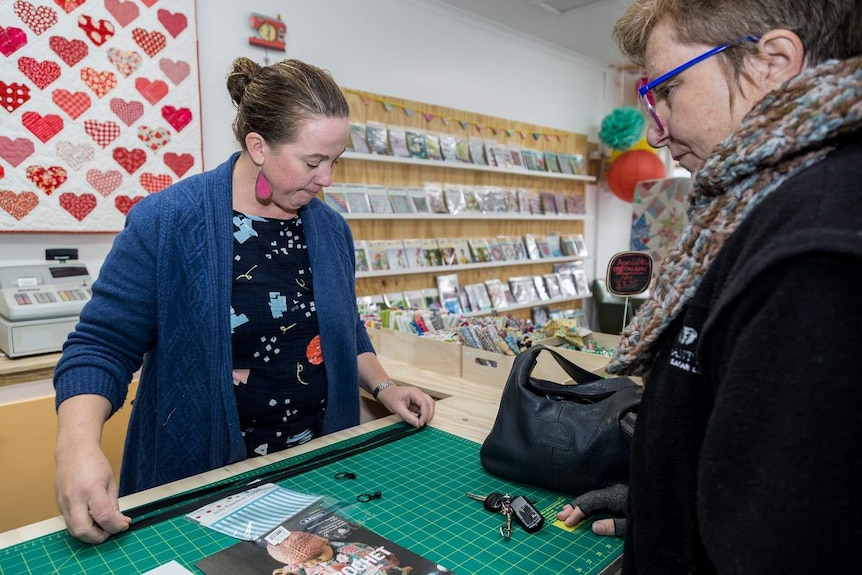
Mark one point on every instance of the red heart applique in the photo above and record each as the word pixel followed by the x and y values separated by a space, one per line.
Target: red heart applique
pixel 123 12
pixel 103 133
pixel 73 103
pixel 175 71
pixel 149 3
pixel 151 91
pixel 155 183
pixel 79 206
pixel 47 179
pixel 13 96
pixel 125 203
pixel 154 138
pixel 104 182
pixel 151 42
pixel 69 51
pixel 177 118
pixel 128 112
pixel 126 61
pixel 76 155
pixel 69 5
pixel 11 39
pixel 37 19
pixel 174 23
pixel 40 73
pixel 99 82
pixel 130 160
pixel 179 163
pixel 2 173
pixel 98 32
pixel 18 205
pixel 15 151
pixel 43 127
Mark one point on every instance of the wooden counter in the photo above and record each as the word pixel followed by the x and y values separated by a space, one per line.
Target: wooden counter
pixel 463 408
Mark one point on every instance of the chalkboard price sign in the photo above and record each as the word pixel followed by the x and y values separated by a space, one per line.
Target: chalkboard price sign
pixel 629 273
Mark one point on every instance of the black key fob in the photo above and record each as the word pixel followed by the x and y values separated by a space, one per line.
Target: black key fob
pixel 527 515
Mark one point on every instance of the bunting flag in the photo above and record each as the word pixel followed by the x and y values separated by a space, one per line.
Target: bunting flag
pixel 465 125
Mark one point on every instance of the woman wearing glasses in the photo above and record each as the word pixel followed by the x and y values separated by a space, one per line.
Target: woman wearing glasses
pixel 747 455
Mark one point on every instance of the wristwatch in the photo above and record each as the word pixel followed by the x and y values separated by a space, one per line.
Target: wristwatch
pixel 381 386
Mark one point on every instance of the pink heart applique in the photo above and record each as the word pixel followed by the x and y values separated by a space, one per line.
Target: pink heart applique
pixel 76 155
pixel 128 112
pixel 70 51
pixel 98 31
pixel 99 82
pixel 130 160
pixel 11 39
pixel 150 42
pixel 151 91
pixel 40 73
pixel 126 61
pixel 123 12
pixel 15 151
pixel 79 206
pixel 104 182
pixel 69 5
pixel 177 118
pixel 175 71
pixel 37 19
pixel 18 205
pixel 14 95
pixel 73 103
pixel 174 23
pixel 125 203
pixel 47 179
pixel 43 127
pixel 103 133
pixel 155 183
pixel 179 163
pixel 154 138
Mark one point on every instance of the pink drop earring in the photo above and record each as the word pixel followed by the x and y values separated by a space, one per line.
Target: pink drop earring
pixel 262 189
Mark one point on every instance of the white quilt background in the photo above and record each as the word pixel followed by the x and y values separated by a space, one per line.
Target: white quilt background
pixel 101 106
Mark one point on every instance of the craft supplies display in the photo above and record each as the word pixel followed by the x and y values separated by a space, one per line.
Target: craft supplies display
pixel 101 107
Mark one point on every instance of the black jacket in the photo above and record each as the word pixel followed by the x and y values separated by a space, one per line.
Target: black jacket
pixel 747 457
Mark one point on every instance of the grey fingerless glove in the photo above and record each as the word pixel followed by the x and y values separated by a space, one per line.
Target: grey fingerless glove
pixel 610 499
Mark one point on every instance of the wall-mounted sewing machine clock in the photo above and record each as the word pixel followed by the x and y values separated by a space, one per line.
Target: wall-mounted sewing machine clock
pixel 270 32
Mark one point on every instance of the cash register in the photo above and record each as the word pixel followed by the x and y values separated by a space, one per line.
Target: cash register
pixel 39 305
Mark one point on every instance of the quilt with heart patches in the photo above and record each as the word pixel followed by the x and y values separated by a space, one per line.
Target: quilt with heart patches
pixel 100 107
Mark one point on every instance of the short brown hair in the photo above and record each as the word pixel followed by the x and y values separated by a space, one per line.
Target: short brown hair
pixel 276 100
pixel 827 28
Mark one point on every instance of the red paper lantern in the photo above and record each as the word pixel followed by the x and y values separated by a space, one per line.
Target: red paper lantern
pixel 633 167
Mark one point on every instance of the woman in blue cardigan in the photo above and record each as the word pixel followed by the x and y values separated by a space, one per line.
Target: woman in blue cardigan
pixel 234 291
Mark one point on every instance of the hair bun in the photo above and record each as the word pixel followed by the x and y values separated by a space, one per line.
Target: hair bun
pixel 241 75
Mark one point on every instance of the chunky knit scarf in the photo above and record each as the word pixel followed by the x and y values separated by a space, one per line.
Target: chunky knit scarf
pixel 791 129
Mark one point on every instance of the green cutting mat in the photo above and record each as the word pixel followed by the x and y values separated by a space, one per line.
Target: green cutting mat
pixel 422 478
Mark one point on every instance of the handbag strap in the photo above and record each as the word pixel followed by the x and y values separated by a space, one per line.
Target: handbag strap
pixel 590 385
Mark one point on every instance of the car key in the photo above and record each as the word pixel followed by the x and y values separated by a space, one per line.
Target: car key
pixel 492 502
pixel 527 515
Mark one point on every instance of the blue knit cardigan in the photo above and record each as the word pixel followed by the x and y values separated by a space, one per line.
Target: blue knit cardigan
pixel 162 301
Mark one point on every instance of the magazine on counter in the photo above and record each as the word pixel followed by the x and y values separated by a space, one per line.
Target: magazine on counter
pixel 314 542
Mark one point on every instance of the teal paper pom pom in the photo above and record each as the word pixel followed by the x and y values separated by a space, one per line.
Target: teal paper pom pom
pixel 622 128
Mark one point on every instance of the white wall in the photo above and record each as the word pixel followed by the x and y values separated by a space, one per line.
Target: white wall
pixel 415 49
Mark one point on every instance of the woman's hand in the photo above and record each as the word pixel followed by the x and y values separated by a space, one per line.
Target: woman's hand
pixel 611 499
pixel 411 403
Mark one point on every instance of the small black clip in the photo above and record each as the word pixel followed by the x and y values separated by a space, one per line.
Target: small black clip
pixel 366 497
pixel 345 475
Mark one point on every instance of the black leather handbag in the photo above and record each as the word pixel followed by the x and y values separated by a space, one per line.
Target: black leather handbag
pixel 564 437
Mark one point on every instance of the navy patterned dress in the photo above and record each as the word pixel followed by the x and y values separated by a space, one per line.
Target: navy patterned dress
pixel 279 375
